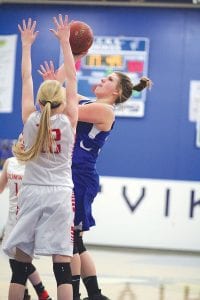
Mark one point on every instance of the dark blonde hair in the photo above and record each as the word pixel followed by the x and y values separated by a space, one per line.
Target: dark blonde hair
pixel 50 95
pixel 127 87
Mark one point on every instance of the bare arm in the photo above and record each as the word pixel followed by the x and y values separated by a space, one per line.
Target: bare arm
pixel 3 177
pixel 100 114
pixel 63 33
pixel 47 72
pixel 60 72
pixel 28 36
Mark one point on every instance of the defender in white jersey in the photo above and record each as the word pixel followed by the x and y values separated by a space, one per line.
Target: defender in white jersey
pixel 45 219
pixel 11 177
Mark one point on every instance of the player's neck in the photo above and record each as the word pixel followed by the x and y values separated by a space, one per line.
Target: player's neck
pixel 106 100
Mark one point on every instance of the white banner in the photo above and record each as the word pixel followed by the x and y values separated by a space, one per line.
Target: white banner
pixel 159 214
pixel 143 213
pixel 7 70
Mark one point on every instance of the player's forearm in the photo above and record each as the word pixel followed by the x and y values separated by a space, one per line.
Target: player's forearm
pixel 26 66
pixel 60 74
pixel 69 64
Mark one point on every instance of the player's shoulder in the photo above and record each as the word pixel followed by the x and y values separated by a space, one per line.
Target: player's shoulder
pixel 60 118
pixel 33 115
pixel 9 162
pixel 12 161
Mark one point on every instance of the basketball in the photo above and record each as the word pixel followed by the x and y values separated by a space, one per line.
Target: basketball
pixel 81 37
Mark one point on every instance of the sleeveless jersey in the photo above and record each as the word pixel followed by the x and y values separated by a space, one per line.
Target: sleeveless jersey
pixel 15 172
pixel 89 142
pixel 50 168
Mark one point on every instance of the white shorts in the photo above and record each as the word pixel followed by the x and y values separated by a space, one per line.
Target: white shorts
pixel 44 222
pixel 11 221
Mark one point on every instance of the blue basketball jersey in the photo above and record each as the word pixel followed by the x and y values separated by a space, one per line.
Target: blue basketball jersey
pixel 88 144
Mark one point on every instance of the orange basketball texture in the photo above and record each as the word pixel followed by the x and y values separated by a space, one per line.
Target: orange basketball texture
pixel 81 37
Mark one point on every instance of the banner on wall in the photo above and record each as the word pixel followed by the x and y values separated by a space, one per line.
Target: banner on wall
pixel 8 45
pixel 147 213
pixel 109 53
pixel 194 107
pixel 142 213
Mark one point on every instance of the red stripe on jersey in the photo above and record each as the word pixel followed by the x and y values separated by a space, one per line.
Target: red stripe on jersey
pixel 72 234
pixel 73 201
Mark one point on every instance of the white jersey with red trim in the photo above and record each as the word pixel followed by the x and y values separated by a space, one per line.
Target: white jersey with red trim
pixel 15 172
pixel 50 168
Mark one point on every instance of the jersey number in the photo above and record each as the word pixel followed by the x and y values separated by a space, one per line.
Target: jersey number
pixel 56 134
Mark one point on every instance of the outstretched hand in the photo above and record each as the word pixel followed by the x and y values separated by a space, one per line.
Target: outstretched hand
pixel 28 33
pixel 47 71
pixel 62 31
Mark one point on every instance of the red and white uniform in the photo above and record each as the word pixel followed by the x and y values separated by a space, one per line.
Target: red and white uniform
pixel 15 172
pixel 45 218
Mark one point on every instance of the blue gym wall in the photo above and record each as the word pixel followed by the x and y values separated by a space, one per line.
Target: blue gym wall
pixel 162 143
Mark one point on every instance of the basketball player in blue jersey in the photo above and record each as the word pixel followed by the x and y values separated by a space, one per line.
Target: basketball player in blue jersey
pixel 45 220
pixel 11 177
pixel 96 121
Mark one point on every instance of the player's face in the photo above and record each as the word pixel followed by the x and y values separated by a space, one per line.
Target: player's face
pixel 108 86
pixel 21 141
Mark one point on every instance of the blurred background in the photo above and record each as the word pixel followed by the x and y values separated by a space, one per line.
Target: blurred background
pixel 146 242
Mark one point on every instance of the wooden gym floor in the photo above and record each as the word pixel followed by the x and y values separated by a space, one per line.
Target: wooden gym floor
pixel 126 274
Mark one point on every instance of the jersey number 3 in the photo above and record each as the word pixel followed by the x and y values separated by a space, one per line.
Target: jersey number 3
pixel 56 135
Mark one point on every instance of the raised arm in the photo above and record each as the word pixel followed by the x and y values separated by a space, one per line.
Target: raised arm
pixel 3 177
pixel 47 71
pixel 62 32
pixel 28 36
pixel 60 72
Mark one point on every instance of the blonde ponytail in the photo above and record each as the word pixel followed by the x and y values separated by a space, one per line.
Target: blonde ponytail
pixel 50 94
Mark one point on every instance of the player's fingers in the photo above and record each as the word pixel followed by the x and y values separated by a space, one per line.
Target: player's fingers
pixel 40 72
pixel 19 27
pixel 51 66
pixel 53 31
pixel 23 24
pixel 33 26
pixel 46 66
pixel 29 23
pixel 55 22
pixel 36 33
pixel 60 19
pixel 42 68
pixel 66 20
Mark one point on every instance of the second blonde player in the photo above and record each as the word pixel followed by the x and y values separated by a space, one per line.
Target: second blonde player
pixel 45 219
